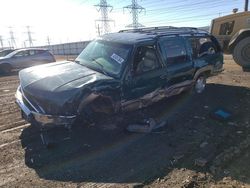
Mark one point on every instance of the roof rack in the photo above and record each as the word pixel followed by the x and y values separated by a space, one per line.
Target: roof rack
pixel 165 30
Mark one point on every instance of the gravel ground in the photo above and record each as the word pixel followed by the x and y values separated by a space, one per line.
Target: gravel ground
pixel 192 150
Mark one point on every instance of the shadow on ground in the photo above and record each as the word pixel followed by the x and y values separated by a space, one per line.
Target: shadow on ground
pixel 91 154
pixel 13 73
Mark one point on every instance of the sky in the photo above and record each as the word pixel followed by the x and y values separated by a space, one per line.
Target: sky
pixel 65 21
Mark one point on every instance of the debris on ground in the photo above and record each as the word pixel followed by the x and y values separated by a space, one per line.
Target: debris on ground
pixel 146 126
pixel 201 162
pixel 221 114
pixel 203 144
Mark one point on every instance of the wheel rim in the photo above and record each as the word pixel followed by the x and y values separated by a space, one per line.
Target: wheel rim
pixel 246 52
pixel 200 84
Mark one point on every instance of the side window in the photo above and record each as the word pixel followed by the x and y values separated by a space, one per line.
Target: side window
pixel 32 52
pixel 145 60
pixel 22 54
pixel 194 42
pixel 175 50
pixel 226 28
pixel 39 51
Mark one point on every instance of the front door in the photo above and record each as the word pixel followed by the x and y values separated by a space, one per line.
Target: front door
pixel 146 80
pixel 20 59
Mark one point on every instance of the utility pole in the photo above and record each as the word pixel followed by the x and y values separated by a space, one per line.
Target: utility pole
pixel 104 8
pixel 12 39
pixel 246 5
pixel 1 41
pixel 29 36
pixel 135 9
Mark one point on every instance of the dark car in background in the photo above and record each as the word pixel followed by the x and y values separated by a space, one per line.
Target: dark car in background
pixel 24 58
pixel 6 52
pixel 119 72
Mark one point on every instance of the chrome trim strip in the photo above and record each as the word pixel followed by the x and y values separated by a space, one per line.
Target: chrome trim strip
pixel 43 119
pixel 28 100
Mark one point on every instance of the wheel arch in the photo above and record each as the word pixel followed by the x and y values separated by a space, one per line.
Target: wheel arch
pixel 243 33
pixel 98 102
pixel 206 71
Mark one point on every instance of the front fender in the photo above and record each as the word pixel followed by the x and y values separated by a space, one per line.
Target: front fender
pixel 84 102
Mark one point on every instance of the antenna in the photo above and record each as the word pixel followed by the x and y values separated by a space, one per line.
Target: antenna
pixel 104 9
pixel 135 9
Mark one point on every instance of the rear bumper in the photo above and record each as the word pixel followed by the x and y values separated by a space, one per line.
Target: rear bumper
pixel 38 118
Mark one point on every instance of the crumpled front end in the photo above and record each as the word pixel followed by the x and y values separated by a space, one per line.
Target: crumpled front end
pixel 35 114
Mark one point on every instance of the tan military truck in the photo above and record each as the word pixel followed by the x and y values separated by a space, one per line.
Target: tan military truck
pixel 233 33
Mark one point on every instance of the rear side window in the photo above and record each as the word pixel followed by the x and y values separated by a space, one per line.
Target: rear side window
pixel 39 51
pixel 226 28
pixel 32 52
pixel 174 50
pixel 202 46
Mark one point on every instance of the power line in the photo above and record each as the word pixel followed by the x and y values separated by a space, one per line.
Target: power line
pixel 187 18
pixel 135 9
pixel 160 13
pixel 104 9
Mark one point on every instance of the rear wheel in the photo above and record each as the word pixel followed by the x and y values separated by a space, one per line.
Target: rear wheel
pixel 200 84
pixel 241 53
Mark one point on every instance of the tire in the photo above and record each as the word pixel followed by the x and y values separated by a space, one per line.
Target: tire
pixel 6 68
pixel 241 53
pixel 90 115
pixel 200 84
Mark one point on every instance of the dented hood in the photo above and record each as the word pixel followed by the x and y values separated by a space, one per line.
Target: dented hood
pixel 53 86
pixel 56 77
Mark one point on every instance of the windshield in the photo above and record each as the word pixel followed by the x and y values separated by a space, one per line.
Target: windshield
pixel 105 57
pixel 11 54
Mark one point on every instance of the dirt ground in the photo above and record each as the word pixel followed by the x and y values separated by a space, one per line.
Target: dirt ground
pixel 193 149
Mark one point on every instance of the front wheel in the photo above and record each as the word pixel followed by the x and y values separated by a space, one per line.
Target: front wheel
pixel 200 84
pixel 6 68
pixel 241 53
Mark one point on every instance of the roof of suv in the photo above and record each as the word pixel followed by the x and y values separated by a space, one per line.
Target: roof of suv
pixel 132 36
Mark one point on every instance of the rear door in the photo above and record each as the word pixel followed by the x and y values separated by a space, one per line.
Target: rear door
pixel 178 59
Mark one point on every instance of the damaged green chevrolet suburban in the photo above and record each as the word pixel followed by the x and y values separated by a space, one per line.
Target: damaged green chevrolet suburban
pixel 118 72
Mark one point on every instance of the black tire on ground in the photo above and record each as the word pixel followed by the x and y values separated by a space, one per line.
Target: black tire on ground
pixel 6 68
pixel 241 53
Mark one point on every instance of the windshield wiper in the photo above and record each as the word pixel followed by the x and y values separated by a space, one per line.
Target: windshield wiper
pixel 102 68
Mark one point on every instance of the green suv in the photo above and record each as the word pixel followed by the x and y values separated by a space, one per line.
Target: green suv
pixel 118 72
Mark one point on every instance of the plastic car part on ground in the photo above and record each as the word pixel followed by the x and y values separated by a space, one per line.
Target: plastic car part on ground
pixel 146 126
pixel 221 114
